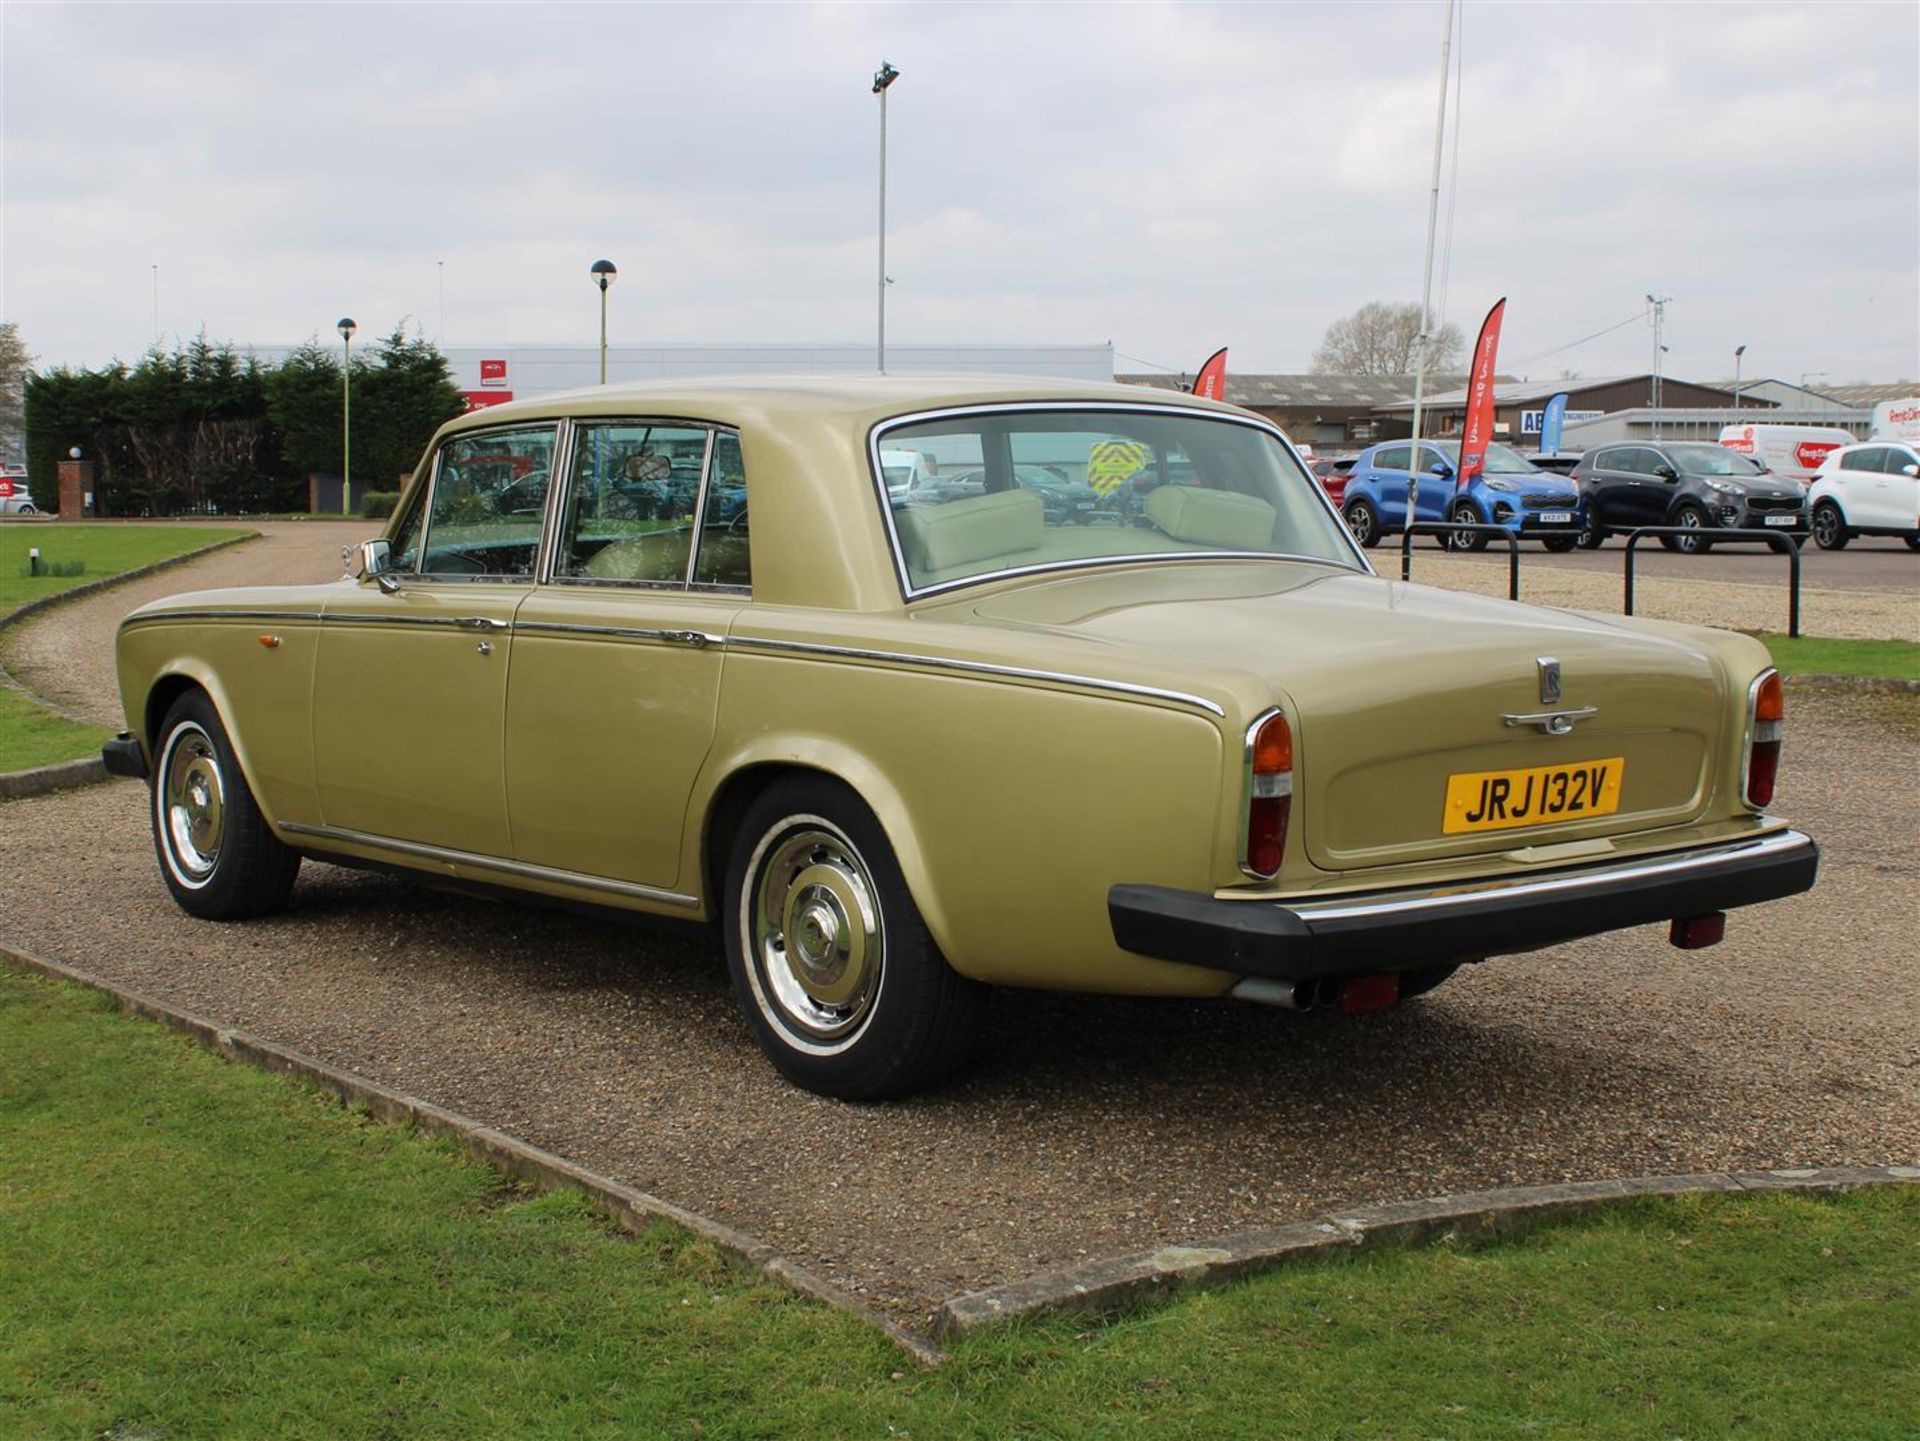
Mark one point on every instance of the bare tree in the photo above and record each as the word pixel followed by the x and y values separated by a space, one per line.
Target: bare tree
pixel 14 365
pixel 1379 339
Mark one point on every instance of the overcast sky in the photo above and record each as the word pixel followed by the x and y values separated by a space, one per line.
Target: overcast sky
pixel 1170 177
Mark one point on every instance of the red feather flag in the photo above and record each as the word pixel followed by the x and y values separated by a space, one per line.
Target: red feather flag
pixel 1479 431
pixel 1211 383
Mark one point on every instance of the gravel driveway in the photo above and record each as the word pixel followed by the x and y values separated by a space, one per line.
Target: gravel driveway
pixel 1087 1126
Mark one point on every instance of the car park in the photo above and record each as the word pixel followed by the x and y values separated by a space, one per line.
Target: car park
pixel 1871 489
pixel 1508 492
pixel 895 752
pixel 1697 486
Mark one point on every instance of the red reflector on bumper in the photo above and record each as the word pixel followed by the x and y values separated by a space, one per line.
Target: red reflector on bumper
pixel 1369 993
pixel 1696 933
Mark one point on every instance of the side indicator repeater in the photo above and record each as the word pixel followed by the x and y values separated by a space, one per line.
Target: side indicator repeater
pixel 271 642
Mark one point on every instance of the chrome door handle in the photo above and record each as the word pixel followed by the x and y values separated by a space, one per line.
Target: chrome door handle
pixel 485 647
pixel 482 622
pixel 694 638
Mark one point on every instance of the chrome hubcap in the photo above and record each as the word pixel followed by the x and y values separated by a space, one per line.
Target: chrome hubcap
pixel 817 942
pixel 193 804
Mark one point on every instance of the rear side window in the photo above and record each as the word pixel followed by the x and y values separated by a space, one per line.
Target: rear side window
pixel 1871 458
pixel 1394 457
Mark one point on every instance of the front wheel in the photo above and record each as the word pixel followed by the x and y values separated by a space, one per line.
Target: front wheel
pixel 1830 527
pixel 1913 542
pixel 832 965
pixel 1693 520
pixel 218 853
pixel 1364 522
pixel 1463 513
pixel 1593 534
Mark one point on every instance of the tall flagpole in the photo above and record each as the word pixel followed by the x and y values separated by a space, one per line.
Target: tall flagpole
pixel 1426 300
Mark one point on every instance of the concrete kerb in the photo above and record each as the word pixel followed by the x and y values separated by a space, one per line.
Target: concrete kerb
pixel 1103 1287
pixel 1123 1283
pixel 633 1210
pixel 88 770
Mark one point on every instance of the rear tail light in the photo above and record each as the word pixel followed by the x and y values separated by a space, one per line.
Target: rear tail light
pixel 1269 795
pixel 1766 723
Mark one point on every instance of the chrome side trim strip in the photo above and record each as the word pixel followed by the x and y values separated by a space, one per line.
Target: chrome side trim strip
pixel 696 638
pixel 1560 883
pixel 522 869
pixel 973 667
pixel 163 617
pixel 450 622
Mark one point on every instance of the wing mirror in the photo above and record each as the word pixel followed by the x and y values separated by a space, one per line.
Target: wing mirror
pixel 376 564
pixel 1913 470
pixel 1666 472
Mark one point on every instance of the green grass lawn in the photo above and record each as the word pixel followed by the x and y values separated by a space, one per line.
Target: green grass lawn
pixel 1809 655
pixel 29 735
pixel 194 1245
pixel 107 550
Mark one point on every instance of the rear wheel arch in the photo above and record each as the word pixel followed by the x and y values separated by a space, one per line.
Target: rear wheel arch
pixel 785 758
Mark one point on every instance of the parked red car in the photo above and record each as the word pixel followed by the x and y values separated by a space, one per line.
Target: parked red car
pixel 1332 472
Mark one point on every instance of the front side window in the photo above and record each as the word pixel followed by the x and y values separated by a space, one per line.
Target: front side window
pixel 483 512
pixel 1002 491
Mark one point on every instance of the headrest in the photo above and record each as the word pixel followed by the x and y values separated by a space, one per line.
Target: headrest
pixel 940 537
pixel 1222 519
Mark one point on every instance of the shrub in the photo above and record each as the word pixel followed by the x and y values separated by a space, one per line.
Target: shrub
pixel 44 566
pixel 378 504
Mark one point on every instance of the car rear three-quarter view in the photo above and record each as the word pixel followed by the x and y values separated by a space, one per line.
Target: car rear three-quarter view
pixel 914 687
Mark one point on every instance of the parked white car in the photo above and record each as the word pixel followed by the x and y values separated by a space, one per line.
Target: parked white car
pixel 1871 489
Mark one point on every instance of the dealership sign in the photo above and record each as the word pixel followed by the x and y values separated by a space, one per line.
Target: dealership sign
pixel 493 372
pixel 1530 419
pixel 481 399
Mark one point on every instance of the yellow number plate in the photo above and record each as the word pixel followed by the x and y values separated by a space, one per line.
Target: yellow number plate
pixel 1497 800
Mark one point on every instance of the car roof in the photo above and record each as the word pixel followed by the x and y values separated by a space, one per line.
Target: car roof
pixel 856 398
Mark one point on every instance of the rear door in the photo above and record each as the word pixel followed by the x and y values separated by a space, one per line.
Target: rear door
pixel 1389 473
pixel 617 659
pixel 1610 487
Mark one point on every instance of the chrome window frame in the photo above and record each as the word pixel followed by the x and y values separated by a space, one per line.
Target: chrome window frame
pixel 686 585
pixel 877 433
pixel 419 576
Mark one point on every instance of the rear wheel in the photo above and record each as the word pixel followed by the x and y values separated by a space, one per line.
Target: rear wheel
pixel 1560 544
pixel 1913 542
pixel 1364 521
pixel 1693 519
pixel 1463 513
pixel 1830 527
pixel 217 851
pixel 832 965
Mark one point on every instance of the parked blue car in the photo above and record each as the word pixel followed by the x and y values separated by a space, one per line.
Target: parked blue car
pixel 1508 492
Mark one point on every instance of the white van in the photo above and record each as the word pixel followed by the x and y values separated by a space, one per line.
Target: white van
pixel 1897 420
pixel 1793 452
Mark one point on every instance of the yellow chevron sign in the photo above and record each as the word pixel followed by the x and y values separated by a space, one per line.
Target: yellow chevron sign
pixel 1110 463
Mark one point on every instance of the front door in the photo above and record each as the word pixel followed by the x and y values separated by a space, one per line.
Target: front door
pixel 410 687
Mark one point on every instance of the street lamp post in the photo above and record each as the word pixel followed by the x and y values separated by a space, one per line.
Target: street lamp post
pixel 883 79
pixel 1659 304
pixel 346 327
pixel 1738 351
pixel 603 275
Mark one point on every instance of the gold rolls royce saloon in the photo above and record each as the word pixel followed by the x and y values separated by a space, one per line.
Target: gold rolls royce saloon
pixel 682 649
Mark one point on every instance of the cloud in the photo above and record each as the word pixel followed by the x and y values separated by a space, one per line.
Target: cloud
pixel 1168 176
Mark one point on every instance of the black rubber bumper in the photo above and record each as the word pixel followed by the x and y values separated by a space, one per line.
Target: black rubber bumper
pixel 1399 930
pixel 122 756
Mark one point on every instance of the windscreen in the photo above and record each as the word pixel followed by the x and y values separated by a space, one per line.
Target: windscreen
pixel 1711 460
pixel 1501 459
pixel 1006 491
